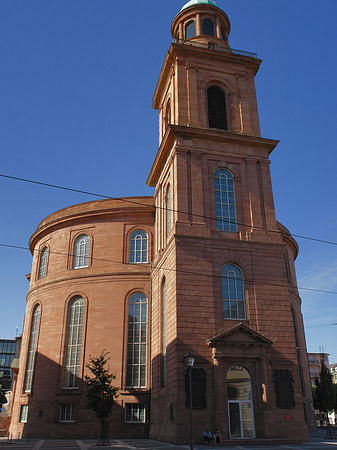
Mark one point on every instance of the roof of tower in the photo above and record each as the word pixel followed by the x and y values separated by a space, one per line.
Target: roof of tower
pixel 198 2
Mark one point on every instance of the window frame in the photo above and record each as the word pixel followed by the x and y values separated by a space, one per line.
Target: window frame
pixel 134 347
pixel 190 22
pixel 168 207
pixel 73 412
pixel 87 253
pixel 238 289
pixel 34 332
pixel 221 206
pixel 24 410
pixel 68 347
pixel 131 405
pixel 43 262
pixel 144 239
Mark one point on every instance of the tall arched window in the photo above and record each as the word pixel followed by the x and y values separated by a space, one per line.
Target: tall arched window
pixel 138 247
pixel 225 206
pixel 216 101
pixel 168 210
pixel 190 29
pixel 34 334
pixel 136 365
pixel 163 334
pixel 233 297
pixel 167 117
pixel 81 252
pixel 43 263
pixel 208 27
pixel 72 354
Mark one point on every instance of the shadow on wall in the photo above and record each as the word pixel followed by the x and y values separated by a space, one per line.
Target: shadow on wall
pixel 49 411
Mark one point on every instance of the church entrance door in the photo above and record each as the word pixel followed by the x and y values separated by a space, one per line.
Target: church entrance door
pixel 240 404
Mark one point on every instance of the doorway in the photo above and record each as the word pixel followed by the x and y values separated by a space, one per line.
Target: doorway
pixel 240 404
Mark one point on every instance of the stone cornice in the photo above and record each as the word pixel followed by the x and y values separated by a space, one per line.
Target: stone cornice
pixel 177 131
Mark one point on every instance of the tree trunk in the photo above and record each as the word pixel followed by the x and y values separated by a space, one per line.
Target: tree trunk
pixel 104 432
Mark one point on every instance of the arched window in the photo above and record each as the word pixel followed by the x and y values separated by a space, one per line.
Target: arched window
pixel 233 297
pixel 81 252
pixel 216 101
pixel 43 263
pixel 167 117
pixel 168 210
pixel 163 334
pixel 208 27
pixel 190 29
pixel 72 354
pixel 138 247
pixel 225 206
pixel 34 334
pixel 240 403
pixel 136 365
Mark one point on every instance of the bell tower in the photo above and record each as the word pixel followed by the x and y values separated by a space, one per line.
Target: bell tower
pixel 223 276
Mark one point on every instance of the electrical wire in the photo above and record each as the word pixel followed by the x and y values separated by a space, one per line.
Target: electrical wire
pixel 126 200
pixel 183 271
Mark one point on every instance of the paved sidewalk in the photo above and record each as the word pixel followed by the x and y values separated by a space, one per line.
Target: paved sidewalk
pixel 317 442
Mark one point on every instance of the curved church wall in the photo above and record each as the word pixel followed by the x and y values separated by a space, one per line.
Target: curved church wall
pixel 45 392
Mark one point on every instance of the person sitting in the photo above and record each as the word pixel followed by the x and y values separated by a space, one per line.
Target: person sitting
pixel 207 436
pixel 217 436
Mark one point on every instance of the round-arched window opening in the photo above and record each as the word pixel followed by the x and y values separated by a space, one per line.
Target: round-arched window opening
pixel 240 380
pixel 190 29
pixel 232 393
pixel 208 27
pixel 217 115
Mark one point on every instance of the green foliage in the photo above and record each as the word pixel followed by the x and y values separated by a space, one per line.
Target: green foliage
pixel 100 392
pixel 325 393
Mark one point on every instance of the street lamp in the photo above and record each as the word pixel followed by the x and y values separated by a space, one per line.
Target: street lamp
pixel 189 363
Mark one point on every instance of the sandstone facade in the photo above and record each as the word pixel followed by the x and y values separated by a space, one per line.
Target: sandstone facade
pixel 221 283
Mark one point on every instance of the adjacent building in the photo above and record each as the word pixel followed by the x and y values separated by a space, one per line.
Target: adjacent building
pixel 315 360
pixel 203 267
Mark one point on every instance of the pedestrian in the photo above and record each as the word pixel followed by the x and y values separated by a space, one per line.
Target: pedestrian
pixel 207 436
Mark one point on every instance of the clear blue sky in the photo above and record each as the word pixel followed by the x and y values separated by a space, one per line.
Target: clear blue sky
pixel 76 85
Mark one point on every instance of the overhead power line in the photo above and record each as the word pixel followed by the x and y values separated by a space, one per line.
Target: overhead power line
pixel 126 200
pixel 184 271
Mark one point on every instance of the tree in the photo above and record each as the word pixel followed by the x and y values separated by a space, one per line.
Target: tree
pixel 325 394
pixel 101 394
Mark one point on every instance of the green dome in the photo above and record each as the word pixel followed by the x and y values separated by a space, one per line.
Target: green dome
pixel 198 2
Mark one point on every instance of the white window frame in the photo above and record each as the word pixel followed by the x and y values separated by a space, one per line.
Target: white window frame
pixel 67 412
pixel 225 201
pixel 136 364
pixel 140 239
pixel 43 262
pixel 228 277
pixel 81 252
pixel 133 407
pixel 73 346
pixel 33 340
pixel 24 413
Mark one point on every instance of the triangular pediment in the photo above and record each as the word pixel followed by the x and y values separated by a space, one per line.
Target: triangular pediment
pixel 239 334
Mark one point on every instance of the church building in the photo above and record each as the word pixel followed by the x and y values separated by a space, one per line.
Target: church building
pixel 203 268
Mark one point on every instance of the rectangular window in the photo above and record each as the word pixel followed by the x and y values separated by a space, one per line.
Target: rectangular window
pixel 67 412
pixel 134 412
pixel 24 414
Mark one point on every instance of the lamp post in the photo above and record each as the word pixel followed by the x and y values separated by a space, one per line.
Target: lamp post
pixel 189 363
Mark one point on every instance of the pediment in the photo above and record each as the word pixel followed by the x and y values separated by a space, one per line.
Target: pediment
pixel 239 335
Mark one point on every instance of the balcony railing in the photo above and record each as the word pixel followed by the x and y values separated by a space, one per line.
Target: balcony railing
pixel 212 46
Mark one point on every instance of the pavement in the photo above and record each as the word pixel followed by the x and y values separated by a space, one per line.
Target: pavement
pixel 317 442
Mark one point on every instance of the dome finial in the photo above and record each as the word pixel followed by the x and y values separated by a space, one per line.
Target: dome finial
pixel 198 2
